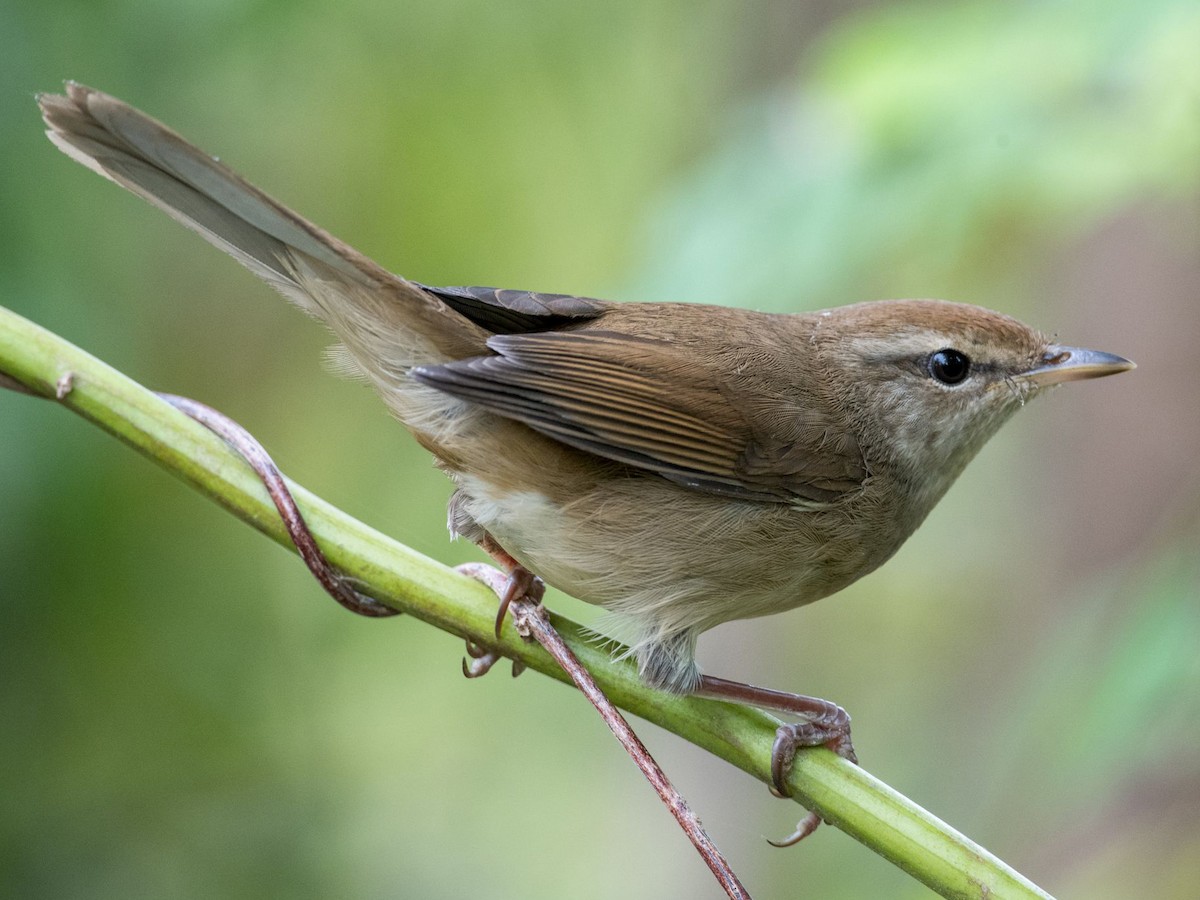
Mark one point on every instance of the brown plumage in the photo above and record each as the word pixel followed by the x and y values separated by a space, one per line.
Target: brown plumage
pixel 684 465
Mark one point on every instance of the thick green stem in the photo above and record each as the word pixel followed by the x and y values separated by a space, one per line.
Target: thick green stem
pixel 845 795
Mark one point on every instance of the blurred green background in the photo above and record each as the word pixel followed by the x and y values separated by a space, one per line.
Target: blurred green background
pixel 183 713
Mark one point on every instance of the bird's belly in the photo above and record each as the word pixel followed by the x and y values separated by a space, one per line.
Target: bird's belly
pixel 670 556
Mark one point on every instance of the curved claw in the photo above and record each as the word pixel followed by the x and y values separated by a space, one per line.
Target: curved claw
pixel 783 753
pixel 505 602
pixel 518 584
pixel 832 732
pixel 521 584
pixel 476 668
pixel 804 828
pixel 481 662
pixel 788 738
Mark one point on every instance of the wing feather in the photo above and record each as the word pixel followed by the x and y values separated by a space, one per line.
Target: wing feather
pixel 649 404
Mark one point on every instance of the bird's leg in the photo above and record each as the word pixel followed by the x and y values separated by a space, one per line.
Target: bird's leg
pixel 822 724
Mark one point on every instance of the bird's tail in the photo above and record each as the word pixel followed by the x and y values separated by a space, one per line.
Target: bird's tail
pixel 386 323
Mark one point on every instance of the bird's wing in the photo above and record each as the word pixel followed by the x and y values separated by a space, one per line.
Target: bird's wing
pixel 654 405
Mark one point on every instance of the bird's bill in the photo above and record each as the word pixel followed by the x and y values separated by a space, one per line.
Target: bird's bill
pixel 1060 364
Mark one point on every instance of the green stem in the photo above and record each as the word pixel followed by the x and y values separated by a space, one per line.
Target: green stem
pixel 845 795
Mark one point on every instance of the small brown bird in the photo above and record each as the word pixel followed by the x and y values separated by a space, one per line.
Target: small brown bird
pixel 684 465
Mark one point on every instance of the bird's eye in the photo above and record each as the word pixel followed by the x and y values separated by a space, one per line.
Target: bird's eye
pixel 949 366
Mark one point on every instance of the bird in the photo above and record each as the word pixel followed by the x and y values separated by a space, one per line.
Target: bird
pixel 682 465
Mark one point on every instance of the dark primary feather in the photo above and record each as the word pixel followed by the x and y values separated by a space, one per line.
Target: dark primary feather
pixel 515 312
pixel 650 404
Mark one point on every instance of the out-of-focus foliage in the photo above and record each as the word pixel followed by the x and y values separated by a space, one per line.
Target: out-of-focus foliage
pixel 932 145
pixel 184 714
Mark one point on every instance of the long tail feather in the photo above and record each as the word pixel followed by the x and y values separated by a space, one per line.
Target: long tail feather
pixel 388 324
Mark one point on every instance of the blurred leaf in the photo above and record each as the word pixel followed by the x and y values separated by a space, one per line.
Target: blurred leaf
pixel 934 145
pixel 1112 716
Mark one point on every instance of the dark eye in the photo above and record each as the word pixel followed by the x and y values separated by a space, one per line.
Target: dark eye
pixel 949 366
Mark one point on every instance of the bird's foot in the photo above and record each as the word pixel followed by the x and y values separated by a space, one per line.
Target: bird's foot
pixel 824 724
pixel 832 731
pixel 482 660
pixel 517 584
